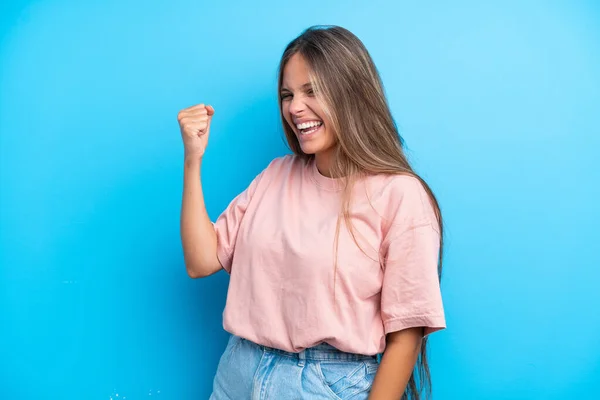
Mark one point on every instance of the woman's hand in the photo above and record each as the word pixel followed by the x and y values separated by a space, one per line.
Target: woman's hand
pixel 194 123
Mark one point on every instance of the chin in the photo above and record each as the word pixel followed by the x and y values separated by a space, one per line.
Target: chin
pixel 309 149
pixel 312 148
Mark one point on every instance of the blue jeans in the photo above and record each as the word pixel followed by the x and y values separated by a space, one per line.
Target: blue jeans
pixel 248 371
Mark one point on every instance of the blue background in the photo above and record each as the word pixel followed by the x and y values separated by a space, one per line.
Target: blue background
pixel 500 108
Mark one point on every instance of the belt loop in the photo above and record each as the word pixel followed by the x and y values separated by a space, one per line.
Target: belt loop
pixel 301 358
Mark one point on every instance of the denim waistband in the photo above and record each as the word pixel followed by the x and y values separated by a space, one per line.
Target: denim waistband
pixel 321 352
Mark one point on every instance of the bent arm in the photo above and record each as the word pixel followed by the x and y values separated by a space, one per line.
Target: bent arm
pixel 198 236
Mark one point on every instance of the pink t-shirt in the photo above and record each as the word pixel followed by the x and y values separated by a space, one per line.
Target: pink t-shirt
pixel 276 239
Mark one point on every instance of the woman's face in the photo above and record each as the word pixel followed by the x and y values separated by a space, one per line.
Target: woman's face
pixel 302 110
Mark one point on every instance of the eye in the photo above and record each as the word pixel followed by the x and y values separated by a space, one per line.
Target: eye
pixel 310 92
pixel 285 96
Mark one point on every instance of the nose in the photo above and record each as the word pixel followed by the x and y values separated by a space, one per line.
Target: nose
pixel 297 105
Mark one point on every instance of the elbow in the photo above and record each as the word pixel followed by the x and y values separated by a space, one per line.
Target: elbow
pixel 192 267
pixel 192 273
pixel 195 275
pixel 199 269
pixel 195 271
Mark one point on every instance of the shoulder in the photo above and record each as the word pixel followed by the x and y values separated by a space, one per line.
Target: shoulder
pixel 396 190
pixel 403 198
pixel 285 164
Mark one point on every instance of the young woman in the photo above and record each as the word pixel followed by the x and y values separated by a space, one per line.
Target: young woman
pixel 334 252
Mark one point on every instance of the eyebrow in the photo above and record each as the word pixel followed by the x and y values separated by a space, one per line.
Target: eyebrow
pixel 305 86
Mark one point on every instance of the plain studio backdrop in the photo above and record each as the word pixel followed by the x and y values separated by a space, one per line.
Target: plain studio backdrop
pixel 500 108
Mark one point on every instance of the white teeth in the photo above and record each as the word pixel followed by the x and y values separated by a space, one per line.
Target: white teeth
pixel 310 124
pixel 306 132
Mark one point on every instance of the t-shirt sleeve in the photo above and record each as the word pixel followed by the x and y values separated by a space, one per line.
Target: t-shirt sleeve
pixel 228 223
pixel 411 295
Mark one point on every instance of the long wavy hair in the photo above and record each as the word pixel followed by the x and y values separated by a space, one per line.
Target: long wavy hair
pixel 349 88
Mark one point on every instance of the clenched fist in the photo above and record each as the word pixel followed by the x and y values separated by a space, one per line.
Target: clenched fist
pixel 194 123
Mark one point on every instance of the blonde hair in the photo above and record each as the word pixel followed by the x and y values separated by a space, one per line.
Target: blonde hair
pixel 349 87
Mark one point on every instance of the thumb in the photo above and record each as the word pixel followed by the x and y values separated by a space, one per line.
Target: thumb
pixel 210 110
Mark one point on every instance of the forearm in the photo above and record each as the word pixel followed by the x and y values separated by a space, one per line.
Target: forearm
pixel 198 236
pixel 397 364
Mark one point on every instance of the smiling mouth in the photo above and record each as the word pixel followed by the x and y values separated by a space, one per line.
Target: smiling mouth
pixel 307 128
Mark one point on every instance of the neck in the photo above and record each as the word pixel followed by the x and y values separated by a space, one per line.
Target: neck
pixel 324 162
